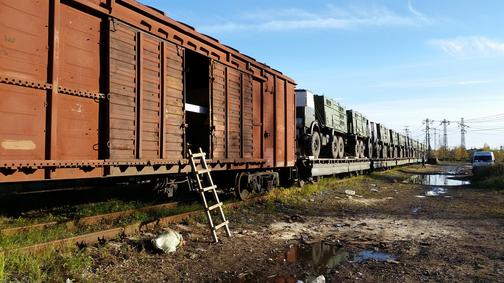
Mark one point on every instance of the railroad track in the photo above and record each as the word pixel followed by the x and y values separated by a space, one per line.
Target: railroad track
pixel 110 233
pixel 85 221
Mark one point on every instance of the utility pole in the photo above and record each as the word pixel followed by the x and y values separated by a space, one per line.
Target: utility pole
pixel 435 138
pixel 428 122
pixel 463 131
pixel 445 124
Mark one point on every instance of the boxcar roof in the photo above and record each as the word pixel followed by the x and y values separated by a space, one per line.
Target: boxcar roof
pixel 192 32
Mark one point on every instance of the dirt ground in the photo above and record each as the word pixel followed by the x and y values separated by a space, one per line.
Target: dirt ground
pixel 332 228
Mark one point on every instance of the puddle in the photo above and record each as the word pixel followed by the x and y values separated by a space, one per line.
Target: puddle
pixel 437 180
pixel 415 210
pixel 436 192
pixel 319 255
pixel 322 256
pixel 373 255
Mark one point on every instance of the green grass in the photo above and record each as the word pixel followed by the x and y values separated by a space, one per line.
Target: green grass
pixel 299 196
pixel 57 266
pixel 491 177
pixel 52 266
pixel 65 213
pixel 106 207
pixel 34 237
pixel 2 267
pixel 61 231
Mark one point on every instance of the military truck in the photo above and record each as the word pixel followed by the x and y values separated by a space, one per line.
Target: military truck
pixel 358 139
pixel 321 125
pixel 325 129
pixel 394 144
pixel 409 147
pixel 402 145
pixel 375 144
pixel 383 135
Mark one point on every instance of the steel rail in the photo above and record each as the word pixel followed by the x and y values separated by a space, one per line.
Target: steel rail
pixel 85 221
pixel 131 229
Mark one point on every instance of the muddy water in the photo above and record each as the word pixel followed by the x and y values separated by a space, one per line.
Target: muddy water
pixel 437 180
pixel 373 255
pixel 322 256
pixel 319 255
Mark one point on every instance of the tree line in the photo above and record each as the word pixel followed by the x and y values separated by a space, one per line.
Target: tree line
pixel 463 154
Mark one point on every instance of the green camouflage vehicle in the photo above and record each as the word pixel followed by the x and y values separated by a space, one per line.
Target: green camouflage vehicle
pixel 402 145
pixel 383 135
pixel 358 141
pixel 325 129
pixel 321 125
pixel 394 144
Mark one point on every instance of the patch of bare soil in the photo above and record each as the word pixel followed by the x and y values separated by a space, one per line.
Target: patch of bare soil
pixel 386 231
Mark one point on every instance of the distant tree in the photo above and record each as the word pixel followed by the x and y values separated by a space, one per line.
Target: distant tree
pixel 486 147
pixel 461 153
pixel 442 153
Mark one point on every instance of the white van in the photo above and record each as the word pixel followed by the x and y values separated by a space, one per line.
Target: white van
pixel 483 158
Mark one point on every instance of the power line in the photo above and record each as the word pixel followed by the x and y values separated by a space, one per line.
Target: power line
pixel 487 130
pixel 499 115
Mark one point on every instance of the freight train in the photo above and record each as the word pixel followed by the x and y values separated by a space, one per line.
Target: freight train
pixel 106 89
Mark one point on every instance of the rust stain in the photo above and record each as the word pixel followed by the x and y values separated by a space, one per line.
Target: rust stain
pixel 18 145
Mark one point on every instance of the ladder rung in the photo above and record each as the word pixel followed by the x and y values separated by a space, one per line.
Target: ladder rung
pixel 204 171
pixel 198 155
pixel 221 225
pixel 215 206
pixel 209 188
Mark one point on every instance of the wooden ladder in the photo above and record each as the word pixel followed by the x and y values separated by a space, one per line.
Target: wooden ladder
pixel 200 174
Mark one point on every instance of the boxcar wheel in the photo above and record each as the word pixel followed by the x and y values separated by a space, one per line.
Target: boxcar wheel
pixel 242 188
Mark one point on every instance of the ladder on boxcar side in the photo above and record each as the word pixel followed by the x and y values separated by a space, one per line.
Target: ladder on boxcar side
pixel 202 189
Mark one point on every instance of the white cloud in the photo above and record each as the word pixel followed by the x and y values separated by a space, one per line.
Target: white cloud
pixel 473 46
pixel 331 17
pixel 418 15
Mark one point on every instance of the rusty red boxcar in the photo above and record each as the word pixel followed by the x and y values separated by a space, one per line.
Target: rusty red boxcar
pixel 104 88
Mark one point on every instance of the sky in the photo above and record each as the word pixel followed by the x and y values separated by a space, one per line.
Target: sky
pixel 398 61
